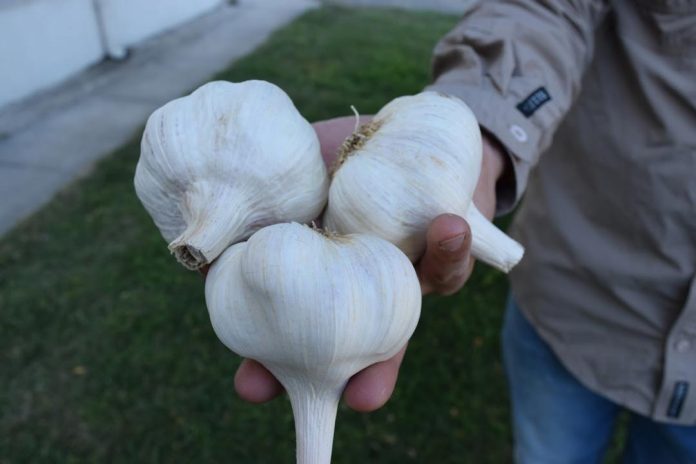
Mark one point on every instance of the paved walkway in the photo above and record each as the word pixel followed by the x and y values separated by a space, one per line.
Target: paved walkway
pixel 445 6
pixel 51 139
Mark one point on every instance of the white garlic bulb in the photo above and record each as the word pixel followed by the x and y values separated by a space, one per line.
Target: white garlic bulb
pixel 418 158
pixel 314 310
pixel 225 161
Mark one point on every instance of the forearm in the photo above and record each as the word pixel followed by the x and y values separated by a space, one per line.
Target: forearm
pixel 518 64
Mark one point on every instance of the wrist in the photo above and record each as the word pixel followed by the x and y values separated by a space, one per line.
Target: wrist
pixel 493 163
pixel 493 160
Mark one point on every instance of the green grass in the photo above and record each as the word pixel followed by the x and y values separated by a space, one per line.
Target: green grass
pixel 106 351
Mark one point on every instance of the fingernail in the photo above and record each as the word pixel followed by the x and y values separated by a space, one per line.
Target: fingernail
pixel 453 244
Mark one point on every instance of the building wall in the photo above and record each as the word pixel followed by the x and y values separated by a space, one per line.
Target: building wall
pixel 43 42
pixel 126 22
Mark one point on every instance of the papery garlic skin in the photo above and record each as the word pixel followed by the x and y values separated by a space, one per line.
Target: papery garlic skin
pixel 419 157
pixel 314 310
pixel 225 161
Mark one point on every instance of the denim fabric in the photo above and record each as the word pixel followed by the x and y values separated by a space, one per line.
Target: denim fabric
pixel 556 420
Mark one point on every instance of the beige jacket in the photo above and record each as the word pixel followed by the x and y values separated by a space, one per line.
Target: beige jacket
pixel 605 92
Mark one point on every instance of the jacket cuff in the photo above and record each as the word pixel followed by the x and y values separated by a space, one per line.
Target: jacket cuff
pixel 501 119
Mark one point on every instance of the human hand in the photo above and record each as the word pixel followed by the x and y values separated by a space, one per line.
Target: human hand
pixel 444 268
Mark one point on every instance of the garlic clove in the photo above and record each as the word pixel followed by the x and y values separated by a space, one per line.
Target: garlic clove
pixel 225 161
pixel 418 158
pixel 314 310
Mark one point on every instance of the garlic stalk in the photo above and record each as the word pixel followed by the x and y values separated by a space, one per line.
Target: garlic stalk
pixel 418 158
pixel 314 309
pixel 221 163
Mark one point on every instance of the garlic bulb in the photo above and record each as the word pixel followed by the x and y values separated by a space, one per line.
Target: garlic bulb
pixel 221 163
pixel 314 310
pixel 418 158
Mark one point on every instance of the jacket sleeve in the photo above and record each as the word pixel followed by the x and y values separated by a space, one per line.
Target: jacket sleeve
pixel 518 64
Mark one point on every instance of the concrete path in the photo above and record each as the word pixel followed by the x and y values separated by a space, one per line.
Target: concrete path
pixel 444 6
pixel 51 139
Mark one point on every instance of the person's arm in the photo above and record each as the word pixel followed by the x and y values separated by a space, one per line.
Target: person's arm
pixel 500 53
pixel 518 64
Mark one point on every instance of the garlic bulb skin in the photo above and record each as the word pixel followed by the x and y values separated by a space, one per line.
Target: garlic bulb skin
pixel 314 310
pixel 418 158
pixel 221 163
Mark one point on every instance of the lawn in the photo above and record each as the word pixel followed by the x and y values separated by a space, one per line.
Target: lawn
pixel 106 350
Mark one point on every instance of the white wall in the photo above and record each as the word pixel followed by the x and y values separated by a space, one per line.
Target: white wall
pixel 127 22
pixel 43 42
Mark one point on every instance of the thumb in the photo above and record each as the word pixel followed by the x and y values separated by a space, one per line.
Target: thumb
pixel 447 262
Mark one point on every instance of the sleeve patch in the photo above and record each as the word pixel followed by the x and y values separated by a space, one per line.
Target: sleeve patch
pixel 534 101
pixel 681 389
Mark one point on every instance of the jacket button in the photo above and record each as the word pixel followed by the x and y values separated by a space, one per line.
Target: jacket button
pixel 683 345
pixel 519 133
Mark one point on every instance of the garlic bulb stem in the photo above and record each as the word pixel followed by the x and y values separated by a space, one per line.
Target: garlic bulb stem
pixel 357 118
pixel 213 221
pixel 315 421
pixel 314 408
pixel 490 244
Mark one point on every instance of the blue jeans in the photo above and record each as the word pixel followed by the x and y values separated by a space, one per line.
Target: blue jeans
pixel 556 420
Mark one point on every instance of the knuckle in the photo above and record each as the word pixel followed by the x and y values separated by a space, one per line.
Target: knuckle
pixel 451 258
pixel 451 282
